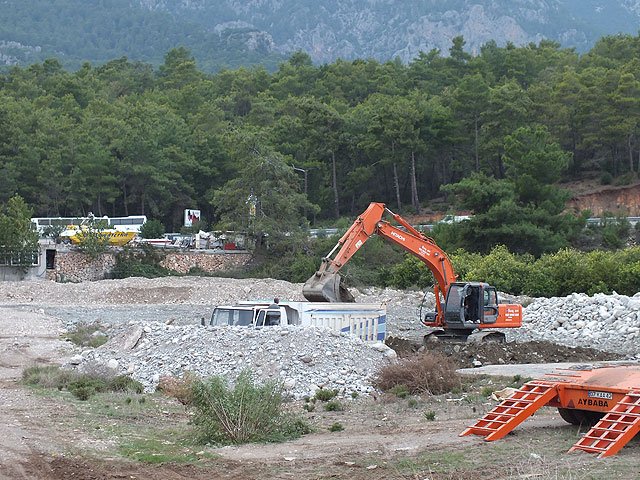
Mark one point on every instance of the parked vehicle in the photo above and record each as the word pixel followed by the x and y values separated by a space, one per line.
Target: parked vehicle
pixel 366 321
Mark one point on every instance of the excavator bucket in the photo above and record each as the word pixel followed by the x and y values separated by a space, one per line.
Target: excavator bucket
pixel 326 287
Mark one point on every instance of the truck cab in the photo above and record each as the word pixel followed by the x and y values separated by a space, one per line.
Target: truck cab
pixel 248 316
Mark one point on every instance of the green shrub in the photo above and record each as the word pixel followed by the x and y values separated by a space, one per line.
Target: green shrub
pixel 430 415
pixel 412 403
pixel 333 406
pixel 336 427
pixel 124 383
pixel 324 394
pixel 243 413
pixel 400 391
pixel 140 262
pixel 606 178
pixel 152 229
pixel 81 385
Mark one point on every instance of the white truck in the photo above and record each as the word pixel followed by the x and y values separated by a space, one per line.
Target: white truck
pixel 366 321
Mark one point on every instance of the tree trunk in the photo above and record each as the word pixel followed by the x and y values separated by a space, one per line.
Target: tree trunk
pixel 476 146
pixel 629 145
pixel 334 181
pixel 126 202
pixel 414 184
pixel 396 184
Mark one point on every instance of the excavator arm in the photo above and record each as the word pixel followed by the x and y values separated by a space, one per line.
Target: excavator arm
pixel 325 285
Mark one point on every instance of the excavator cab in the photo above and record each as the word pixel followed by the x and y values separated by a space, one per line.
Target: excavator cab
pixel 471 305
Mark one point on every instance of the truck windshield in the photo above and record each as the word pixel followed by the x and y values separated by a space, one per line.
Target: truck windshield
pixel 231 316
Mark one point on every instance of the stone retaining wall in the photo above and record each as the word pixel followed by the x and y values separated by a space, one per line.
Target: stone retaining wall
pixel 72 266
pixel 79 267
pixel 182 262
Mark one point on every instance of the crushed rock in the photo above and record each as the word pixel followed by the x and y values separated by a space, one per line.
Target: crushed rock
pixel 304 359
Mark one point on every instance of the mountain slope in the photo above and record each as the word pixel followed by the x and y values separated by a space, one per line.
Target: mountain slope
pixel 233 32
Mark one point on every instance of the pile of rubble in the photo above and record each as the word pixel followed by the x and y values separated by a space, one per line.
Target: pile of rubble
pixel 303 359
pixel 605 322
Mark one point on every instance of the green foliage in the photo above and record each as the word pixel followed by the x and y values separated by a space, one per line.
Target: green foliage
pixel 93 242
pixel 80 385
pixel 18 240
pixel 336 427
pixel 139 262
pixel 152 228
pixel 333 406
pixel 267 153
pixel 324 394
pixel 86 335
pixel 400 391
pixel 429 415
pixel 243 413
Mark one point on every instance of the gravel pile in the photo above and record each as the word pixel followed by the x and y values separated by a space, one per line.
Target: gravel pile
pixel 302 358
pixel 606 322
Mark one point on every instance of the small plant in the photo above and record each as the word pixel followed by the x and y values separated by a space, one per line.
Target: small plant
pixel 333 406
pixel 486 391
pixel 400 391
pixel 124 383
pixel 324 395
pixel 354 395
pixel 412 403
pixel 81 385
pixel 86 335
pixel 243 413
pixel 430 415
pixel 336 427
pixel 309 407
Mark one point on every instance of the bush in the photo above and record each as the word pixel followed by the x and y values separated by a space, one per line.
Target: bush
pixel 324 395
pixel 336 427
pixel 81 385
pixel 432 373
pixel 140 262
pixel 333 406
pixel 245 413
pixel 179 388
pixel 152 229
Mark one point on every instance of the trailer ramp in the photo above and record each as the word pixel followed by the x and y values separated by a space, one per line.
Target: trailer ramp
pixel 512 411
pixel 615 429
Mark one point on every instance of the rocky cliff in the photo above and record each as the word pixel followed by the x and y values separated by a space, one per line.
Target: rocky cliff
pixel 227 33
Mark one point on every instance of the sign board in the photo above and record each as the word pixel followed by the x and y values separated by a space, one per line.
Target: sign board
pixel 191 217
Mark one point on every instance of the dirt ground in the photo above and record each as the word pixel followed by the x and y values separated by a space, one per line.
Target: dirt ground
pixel 47 436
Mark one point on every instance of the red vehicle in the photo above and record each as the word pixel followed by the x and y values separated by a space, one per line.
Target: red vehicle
pixel 462 308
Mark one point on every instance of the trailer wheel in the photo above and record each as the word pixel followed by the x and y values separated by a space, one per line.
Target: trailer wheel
pixel 568 416
pixel 580 417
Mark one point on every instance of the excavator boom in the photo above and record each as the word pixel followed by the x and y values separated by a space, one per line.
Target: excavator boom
pixel 471 306
pixel 326 285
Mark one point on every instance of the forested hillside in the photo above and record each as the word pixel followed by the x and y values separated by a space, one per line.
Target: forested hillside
pixel 227 33
pixel 496 131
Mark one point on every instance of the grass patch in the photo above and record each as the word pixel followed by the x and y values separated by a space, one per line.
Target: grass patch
pixel 81 385
pixel 165 446
pixel 86 335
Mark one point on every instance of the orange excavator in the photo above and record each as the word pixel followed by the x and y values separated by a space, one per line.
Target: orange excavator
pixel 462 308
